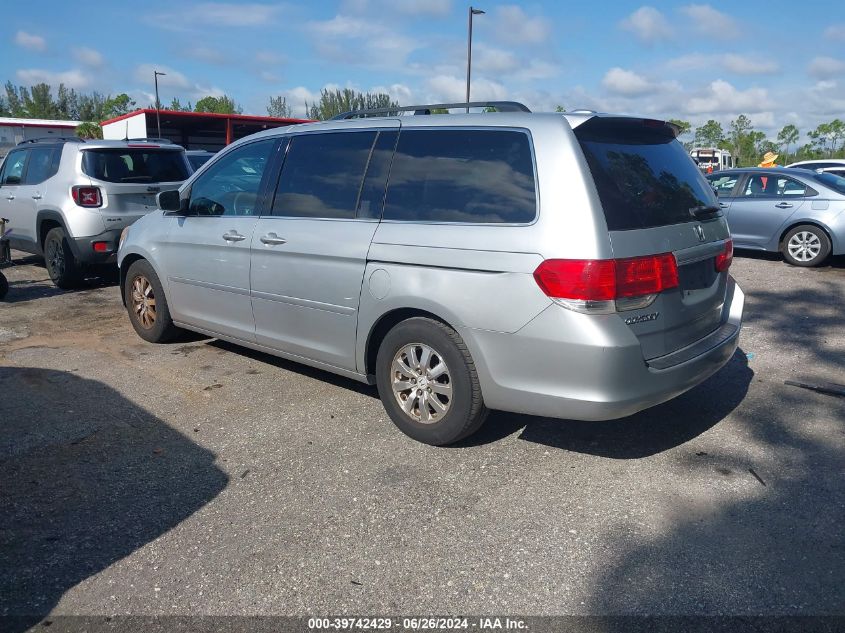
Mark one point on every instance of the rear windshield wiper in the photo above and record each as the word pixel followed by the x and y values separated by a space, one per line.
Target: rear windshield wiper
pixel 704 209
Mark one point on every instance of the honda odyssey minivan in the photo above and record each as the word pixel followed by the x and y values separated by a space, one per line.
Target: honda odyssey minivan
pixel 565 265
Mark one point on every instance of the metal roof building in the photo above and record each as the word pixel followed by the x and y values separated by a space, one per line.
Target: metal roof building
pixel 192 130
pixel 13 131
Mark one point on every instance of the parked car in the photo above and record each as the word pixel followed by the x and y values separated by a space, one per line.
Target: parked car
pixel 198 157
pixel 68 199
pixel 795 211
pixel 831 165
pixel 568 265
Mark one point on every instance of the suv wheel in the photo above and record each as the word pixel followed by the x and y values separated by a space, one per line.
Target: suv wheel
pixel 4 286
pixel 146 304
pixel 805 245
pixel 428 383
pixel 62 266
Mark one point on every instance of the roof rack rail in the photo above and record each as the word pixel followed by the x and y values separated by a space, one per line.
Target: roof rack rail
pixel 53 139
pixel 149 139
pixel 500 106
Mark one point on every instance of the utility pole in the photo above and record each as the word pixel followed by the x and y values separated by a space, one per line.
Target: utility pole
pixel 158 103
pixel 472 11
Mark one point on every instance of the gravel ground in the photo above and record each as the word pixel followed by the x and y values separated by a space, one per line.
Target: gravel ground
pixel 200 478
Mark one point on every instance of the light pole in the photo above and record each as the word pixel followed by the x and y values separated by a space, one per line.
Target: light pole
pixel 158 103
pixel 472 11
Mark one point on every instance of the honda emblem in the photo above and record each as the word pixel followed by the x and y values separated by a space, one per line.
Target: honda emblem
pixel 699 232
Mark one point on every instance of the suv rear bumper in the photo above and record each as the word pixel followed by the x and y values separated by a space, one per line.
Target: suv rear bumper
pixel 83 247
pixel 574 366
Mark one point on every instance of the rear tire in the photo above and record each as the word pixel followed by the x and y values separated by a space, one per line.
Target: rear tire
pixel 147 305
pixel 805 245
pixel 64 269
pixel 4 286
pixel 428 383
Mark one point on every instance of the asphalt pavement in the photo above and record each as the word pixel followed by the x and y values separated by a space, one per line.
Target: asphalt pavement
pixel 201 478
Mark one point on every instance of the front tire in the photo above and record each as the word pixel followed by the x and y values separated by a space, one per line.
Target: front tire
pixel 806 245
pixel 428 383
pixel 64 269
pixel 4 286
pixel 147 305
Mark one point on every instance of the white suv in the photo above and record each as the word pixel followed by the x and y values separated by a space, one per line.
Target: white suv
pixel 68 199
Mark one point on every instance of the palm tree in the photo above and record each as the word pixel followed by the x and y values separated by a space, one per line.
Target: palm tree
pixel 788 135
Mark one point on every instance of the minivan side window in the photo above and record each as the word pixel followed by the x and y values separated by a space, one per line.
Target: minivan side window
pixel 232 184
pixel 40 166
pixel 473 176
pixel 13 167
pixel 322 175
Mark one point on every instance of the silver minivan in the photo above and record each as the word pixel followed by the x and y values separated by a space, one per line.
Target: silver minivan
pixel 564 265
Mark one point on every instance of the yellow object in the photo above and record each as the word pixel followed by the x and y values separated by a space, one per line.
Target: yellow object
pixel 769 159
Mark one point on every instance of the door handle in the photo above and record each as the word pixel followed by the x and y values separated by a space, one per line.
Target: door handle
pixel 10 197
pixel 233 236
pixel 723 205
pixel 273 239
pixel 37 196
pixel 783 205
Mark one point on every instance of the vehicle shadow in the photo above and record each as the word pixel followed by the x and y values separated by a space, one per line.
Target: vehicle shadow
pixel 645 433
pixel 834 262
pixel 41 287
pixel 88 477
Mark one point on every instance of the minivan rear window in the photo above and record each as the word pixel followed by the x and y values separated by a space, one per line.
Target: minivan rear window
pixel 643 175
pixel 475 176
pixel 134 165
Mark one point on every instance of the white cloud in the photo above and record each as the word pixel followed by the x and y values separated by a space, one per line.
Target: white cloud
pixel 375 44
pixel 209 55
pixel 73 78
pixel 835 32
pixel 88 57
pixel 451 89
pixel 826 67
pixel 269 57
pixel 30 41
pixel 217 14
pixel 708 21
pixel 423 7
pixel 648 24
pixel 514 26
pixel 731 62
pixel 626 82
pixel 720 97
pixel 493 60
pixel 175 84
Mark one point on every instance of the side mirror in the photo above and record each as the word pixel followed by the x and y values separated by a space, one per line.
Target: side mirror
pixel 171 202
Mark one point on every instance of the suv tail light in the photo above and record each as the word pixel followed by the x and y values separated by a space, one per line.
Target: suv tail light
pixel 724 259
pixel 607 285
pixel 87 196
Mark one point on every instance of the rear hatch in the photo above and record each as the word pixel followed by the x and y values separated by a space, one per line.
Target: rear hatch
pixel 130 177
pixel 656 200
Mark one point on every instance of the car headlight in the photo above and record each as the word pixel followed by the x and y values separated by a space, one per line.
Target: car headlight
pixel 123 235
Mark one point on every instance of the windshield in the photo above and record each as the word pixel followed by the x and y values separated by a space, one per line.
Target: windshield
pixel 643 175
pixel 135 165
pixel 832 181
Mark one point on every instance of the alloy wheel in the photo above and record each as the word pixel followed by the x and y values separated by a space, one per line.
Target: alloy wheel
pixel 55 258
pixel 144 302
pixel 804 246
pixel 421 383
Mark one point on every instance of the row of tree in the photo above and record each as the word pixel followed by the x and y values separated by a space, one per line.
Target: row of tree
pixel 748 145
pixel 745 143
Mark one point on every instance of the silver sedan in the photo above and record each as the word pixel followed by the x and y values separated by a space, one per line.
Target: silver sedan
pixel 797 212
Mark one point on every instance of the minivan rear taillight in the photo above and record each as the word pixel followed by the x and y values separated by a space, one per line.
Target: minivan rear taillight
pixel 607 285
pixel 724 259
pixel 87 196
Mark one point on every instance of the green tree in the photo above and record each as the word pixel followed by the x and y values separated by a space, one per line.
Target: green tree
pixel 92 107
pixel 67 103
pixel 787 137
pixel 218 105
pixel 709 135
pixel 278 107
pixel 89 129
pixel 117 106
pixel 560 108
pixel 684 127
pixel 334 102
pixel 14 101
pixel 176 104
pixel 742 145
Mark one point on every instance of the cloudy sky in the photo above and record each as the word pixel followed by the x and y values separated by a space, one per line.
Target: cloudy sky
pixel 776 61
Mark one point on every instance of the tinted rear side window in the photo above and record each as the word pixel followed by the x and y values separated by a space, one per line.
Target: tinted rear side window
pixel 478 176
pixel 41 165
pixel 134 165
pixel 644 177
pixel 322 175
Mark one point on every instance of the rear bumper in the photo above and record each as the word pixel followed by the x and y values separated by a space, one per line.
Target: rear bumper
pixel 83 247
pixel 567 365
